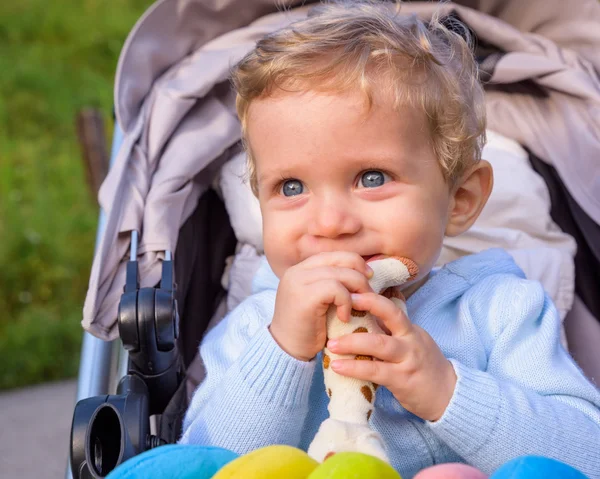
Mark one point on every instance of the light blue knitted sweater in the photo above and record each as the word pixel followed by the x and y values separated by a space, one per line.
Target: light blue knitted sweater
pixel 518 391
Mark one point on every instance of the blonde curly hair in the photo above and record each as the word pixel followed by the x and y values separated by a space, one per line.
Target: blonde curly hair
pixel 348 44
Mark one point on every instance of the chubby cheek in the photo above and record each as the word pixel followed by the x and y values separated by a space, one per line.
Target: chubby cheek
pixel 419 236
pixel 279 245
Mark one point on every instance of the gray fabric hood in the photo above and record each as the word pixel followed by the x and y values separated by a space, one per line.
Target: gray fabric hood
pixel 172 29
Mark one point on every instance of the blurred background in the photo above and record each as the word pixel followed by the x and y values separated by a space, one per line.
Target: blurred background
pixel 57 64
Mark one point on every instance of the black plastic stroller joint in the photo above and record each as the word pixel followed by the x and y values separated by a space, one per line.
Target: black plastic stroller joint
pixel 107 430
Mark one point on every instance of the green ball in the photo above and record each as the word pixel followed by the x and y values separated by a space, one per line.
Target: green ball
pixel 272 462
pixel 354 465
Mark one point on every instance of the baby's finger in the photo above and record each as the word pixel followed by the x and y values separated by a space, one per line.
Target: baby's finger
pixel 385 348
pixel 378 372
pixel 344 259
pixel 335 293
pixel 354 281
pixel 391 315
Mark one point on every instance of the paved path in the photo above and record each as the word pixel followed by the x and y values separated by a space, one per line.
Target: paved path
pixel 35 425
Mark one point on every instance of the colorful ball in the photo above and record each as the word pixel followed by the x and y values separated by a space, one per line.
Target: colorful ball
pixel 451 471
pixel 272 462
pixel 354 465
pixel 175 460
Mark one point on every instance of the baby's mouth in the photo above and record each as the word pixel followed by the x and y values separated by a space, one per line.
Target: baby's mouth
pixel 373 257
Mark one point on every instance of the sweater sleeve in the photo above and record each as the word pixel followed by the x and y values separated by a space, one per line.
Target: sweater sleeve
pixel 250 385
pixel 532 399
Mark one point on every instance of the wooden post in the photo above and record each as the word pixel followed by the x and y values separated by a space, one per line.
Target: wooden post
pixel 92 140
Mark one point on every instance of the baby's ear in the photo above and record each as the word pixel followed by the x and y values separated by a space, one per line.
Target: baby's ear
pixel 469 197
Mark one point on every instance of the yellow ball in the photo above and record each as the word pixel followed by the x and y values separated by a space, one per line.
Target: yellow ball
pixel 354 465
pixel 272 462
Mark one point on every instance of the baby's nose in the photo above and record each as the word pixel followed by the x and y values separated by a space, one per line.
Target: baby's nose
pixel 335 218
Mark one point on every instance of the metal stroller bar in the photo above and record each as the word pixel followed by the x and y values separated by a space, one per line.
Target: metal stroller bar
pixel 134 246
pixel 94 369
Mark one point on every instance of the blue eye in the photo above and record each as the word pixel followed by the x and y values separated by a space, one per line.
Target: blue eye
pixel 372 179
pixel 292 188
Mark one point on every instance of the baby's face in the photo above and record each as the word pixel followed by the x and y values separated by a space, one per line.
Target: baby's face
pixel 334 176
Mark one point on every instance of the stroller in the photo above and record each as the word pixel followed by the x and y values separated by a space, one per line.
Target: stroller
pixel 179 237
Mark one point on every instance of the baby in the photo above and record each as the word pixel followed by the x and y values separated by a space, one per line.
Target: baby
pixel 363 129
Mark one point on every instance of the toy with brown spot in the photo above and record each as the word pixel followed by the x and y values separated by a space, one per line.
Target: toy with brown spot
pixel 352 401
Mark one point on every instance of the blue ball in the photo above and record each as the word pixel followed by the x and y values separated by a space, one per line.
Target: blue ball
pixel 536 467
pixel 175 461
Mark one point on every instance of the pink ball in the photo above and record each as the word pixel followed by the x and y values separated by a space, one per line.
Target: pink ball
pixel 451 471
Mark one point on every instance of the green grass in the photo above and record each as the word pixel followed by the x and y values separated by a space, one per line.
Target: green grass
pixel 55 58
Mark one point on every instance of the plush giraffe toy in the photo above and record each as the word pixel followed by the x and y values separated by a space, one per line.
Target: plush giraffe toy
pixel 351 400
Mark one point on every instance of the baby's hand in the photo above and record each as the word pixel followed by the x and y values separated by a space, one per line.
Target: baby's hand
pixel 411 365
pixel 306 291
